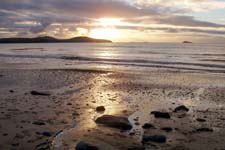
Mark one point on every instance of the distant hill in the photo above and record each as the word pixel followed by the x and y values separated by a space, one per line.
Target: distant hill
pixel 47 39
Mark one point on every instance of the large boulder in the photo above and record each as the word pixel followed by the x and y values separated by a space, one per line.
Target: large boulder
pixel 114 121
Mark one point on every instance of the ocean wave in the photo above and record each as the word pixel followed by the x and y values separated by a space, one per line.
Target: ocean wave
pixel 132 62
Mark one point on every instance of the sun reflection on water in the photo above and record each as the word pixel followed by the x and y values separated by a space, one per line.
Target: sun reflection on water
pixel 106 54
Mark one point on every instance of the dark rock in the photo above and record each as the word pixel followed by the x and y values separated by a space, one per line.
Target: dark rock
pixel 47 134
pixel 136 119
pixel 15 144
pixel 40 123
pixel 75 114
pixel 132 133
pixel 187 42
pixel 137 123
pixel 100 108
pixel 148 126
pixel 154 138
pixel 19 136
pixel 200 120
pixel 86 146
pixel 5 134
pixel 13 109
pixel 115 122
pixel 69 104
pixel 204 130
pixel 136 148
pixel 158 114
pixel 39 93
pixel 11 91
pixel 167 129
pixel 181 108
pixel 43 146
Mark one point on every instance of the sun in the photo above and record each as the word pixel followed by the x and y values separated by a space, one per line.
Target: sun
pixel 107 29
pixel 105 33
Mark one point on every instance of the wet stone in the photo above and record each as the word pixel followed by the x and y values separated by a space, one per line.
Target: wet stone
pixel 148 126
pixel 100 108
pixel 137 123
pixel 204 130
pixel 159 114
pixel 36 93
pixel 136 148
pixel 75 114
pixel 181 108
pixel 15 144
pixel 86 146
pixel 114 121
pixel 154 138
pixel 40 123
pixel 167 129
pixel 19 136
pixel 43 146
pixel 132 133
pixel 47 134
pixel 201 120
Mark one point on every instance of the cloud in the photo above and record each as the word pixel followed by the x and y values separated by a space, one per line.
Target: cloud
pixel 185 21
pixel 174 29
pixel 185 5
pixel 17 15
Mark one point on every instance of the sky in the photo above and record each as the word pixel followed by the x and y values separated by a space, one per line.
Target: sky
pixel 118 20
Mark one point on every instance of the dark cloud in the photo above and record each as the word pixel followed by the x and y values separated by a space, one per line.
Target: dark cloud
pixel 176 20
pixel 175 30
pixel 185 21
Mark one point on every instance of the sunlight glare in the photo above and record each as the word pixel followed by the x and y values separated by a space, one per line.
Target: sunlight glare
pixel 109 21
pixel 102 33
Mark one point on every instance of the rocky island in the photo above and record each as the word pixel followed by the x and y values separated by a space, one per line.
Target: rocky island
pixel 187 42
pixel 48 39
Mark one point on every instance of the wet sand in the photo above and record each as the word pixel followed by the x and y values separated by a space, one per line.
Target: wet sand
pixel 66 114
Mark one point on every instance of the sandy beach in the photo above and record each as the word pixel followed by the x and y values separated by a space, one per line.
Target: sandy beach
pixel 112 75
pixel 63 113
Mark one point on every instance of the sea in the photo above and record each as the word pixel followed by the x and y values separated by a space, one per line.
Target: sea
pixel 125 57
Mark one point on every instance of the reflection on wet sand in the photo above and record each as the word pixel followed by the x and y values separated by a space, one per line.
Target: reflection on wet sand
pixel 85 128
